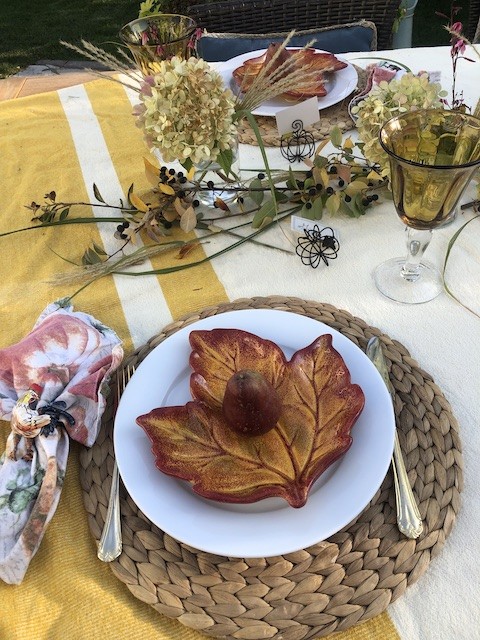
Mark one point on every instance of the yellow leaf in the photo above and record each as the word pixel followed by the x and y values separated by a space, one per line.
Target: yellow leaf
pixel 138 203
pixel 188 221
pixel 373 175
pixel 355 187
pixel 332 203
pixel 167 189
pixel 151 171
pixel 179 208
pixel 191 173
pixel 348 144
pixel 321 176
pixel 321 146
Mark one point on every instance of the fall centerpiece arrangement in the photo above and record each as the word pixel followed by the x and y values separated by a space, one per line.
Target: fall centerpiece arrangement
pixel 189 119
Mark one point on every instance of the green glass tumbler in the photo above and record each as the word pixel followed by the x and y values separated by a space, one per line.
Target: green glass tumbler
pixel 159 37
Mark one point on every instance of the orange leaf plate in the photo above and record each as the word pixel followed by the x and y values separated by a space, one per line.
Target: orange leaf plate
pixel 310 60
pixel 319 408
pixel 330 87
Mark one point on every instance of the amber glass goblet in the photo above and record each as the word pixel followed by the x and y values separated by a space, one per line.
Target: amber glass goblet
pixel 159 37
pixel 433 154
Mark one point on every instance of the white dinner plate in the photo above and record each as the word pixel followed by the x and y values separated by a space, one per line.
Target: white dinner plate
pixel 268 527
pixel 339 86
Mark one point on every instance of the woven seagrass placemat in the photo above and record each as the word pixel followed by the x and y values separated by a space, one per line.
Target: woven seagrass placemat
pixel 331 586
pixel 336 115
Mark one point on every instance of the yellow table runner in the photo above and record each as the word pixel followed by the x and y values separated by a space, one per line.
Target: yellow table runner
pixel 68 592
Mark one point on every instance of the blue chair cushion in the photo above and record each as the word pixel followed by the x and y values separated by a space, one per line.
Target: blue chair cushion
pixel 355 36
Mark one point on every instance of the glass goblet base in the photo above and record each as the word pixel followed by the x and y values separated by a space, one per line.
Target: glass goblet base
pixel 410 288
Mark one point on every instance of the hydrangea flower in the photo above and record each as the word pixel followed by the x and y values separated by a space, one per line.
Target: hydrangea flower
pixel 389 99
pixel 186 112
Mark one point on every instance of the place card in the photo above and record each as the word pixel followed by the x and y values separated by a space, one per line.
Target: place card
pixel 300 225
pixel 306 112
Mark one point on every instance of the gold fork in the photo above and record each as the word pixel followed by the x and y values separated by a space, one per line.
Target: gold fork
pixel 110 545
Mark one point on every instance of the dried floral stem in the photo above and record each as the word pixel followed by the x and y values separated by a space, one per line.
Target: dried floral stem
pixel 57 223
pixel 96 54
pixel 96 271
pixel 447 255
pixel 271 82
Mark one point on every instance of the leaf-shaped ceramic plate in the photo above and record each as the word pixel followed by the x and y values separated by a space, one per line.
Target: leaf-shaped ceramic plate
pixel 270 526
pixel 323 63
pixel 319 406
pixel 339 85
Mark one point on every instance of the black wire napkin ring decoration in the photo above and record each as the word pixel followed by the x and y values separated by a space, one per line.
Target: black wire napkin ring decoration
pixel 317 245
pixel 298 145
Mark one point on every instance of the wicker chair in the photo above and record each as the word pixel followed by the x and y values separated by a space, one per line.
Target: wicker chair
pixel 266 16
pixel 472 25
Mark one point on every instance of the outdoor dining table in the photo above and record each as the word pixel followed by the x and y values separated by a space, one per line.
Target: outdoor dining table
pixel 69 140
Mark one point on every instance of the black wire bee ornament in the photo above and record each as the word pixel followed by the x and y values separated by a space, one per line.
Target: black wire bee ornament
pixel 299 145
pixel 317 245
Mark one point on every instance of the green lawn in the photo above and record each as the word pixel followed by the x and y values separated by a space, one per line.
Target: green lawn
pixel 31 30
pixel 428 27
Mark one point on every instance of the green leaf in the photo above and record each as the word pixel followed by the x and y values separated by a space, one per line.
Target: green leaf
pixel 3 500
pixel 225 160
pixel 332 203
pixel 292 180
pixel 267 210
pixel 256 196
pixel 320 161
pixel 64 213
pixel 90 257
pixel 357 206
pixel 280 196
pixel 345 209
pixel 97 194
pixel 309 214
pixel 336 137
pixel 317 208
pixel 187 164
pixel 99 250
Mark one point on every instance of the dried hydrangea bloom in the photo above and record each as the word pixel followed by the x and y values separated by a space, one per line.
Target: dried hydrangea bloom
pixel 389 99
pixel 186 112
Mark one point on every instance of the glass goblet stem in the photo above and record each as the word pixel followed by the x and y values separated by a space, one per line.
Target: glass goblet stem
pixel 417 243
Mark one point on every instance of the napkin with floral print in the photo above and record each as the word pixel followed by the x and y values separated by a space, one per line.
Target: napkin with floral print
pixel 53 386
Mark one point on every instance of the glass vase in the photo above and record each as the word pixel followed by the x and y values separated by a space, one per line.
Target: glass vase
pixel 216 183
pixel 159 37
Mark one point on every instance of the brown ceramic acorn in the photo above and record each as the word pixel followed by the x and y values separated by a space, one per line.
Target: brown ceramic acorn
pixel 251 405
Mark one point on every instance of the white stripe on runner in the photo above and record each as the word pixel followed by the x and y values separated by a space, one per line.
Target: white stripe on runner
pixel 142 299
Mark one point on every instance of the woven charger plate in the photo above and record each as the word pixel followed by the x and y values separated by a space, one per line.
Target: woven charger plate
pixel 331 586
pixel 335 116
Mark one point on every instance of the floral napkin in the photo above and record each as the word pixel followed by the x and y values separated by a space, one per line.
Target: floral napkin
pixel 53 386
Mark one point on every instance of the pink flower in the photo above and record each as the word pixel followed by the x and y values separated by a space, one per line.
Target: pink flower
pixel 457 40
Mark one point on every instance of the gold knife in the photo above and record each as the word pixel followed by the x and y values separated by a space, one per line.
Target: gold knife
pixel 408 515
